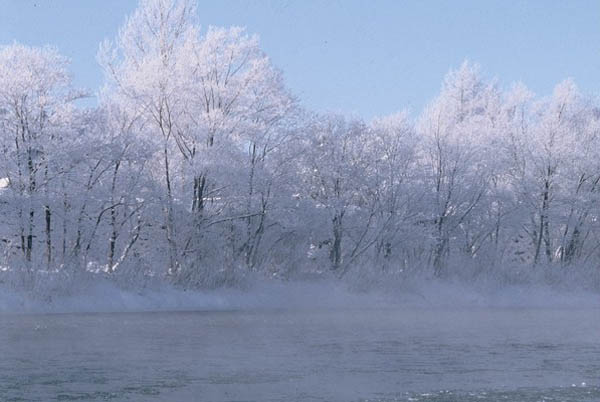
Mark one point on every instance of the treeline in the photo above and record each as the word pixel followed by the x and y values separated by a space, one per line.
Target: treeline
pixel 199 165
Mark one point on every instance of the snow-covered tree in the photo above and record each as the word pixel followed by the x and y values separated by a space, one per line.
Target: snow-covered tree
pixel 35 107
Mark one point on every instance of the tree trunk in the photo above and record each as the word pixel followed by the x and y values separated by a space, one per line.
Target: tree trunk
pixel 440 249
pixel 48 218
pixel 113 220
pixel 335 253
pixel 31 223
pixel 170 225
pixel 48 221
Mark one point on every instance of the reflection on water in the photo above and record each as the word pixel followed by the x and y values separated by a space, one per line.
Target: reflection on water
pixel 357 355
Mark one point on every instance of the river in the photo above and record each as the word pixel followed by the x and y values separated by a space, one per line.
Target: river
pixel 385 354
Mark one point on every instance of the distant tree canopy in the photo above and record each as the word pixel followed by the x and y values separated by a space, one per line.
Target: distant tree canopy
pixel 199 165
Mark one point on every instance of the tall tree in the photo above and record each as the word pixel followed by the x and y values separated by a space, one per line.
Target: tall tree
pixel 36 97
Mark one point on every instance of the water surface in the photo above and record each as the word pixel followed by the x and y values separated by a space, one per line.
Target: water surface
pixel 331 355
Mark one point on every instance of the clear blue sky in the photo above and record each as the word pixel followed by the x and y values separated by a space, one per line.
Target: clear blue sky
pixel 362 57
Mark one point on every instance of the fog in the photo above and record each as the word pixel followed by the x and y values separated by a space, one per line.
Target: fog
pixel 104 296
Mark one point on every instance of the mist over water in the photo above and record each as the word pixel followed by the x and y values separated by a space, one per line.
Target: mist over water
pixel 328 354
pixel 96 296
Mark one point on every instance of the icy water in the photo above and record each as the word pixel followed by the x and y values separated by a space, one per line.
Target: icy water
pixel 359 355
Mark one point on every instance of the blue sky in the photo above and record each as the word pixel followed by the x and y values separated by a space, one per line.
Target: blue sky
pixel 361 57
